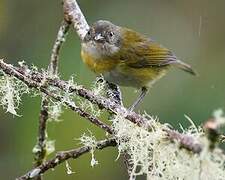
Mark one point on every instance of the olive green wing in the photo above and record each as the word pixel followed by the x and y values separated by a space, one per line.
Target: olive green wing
pixel 147 54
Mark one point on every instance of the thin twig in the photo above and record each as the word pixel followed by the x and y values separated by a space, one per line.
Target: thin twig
pixel 65 155
pixel 60 39
pixel 185 141
pixel 40 152
pixel 73 14
pixel 44 114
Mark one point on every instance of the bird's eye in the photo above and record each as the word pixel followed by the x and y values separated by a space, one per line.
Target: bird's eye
pixel 89 33
pixel 111 34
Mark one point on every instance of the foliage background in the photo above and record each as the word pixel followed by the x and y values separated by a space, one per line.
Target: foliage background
pixel 194 30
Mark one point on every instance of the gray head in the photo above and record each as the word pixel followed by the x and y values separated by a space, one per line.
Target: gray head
pixel 103 32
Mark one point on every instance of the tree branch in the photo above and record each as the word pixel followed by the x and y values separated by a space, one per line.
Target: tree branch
pixel 47 83
pixel 65 155
pixel 60 39
pixel 100 101
pixel 33 80
pixel 9 70
pixel 40 147
pixel 73 14
pixel 44 114
pixel 185 141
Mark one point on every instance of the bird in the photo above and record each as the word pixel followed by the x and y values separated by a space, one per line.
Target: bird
pixel 127 58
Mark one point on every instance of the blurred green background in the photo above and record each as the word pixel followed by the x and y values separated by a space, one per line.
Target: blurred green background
pixel 194 30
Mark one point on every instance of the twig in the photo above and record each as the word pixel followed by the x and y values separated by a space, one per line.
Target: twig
pixel 102 102
pixel 73 14
pixel 9 70
pixel 185 141
pixel 63 156
pixel 34 82
pixel 43 117
pixel 63 30
pixel 40 152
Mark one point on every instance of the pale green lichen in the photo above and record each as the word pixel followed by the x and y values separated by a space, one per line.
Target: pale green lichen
pixel 98 89
pixel 55 111
pixel 11 91
pixel 36 149
pixel 69 170
pixel 68 95
pixel 50 146
pixel 152 154
pixel 90 141
pixel 55 108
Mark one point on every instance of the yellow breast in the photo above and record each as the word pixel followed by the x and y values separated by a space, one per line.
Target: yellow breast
pixel 97 65
pixel 141 77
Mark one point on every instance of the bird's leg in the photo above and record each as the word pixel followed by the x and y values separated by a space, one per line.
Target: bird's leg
pixel 114 93
pixel 144 91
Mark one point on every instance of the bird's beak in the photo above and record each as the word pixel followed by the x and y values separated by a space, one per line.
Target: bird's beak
pixel 99 37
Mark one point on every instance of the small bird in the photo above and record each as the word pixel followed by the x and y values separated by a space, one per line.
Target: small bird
pixel 126 57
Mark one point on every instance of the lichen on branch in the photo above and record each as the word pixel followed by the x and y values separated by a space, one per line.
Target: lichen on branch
pixel 11 91
pixel 154 149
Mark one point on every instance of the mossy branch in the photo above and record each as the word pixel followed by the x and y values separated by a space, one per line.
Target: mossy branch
pixel 61 157
pixel 151 146
pixel 33 80
pixel 41 149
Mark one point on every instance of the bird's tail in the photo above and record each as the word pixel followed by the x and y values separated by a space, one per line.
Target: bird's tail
pixel 185 67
